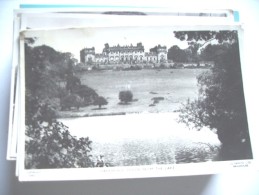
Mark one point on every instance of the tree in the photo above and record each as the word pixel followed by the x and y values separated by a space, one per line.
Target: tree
pixel 176 54
pixel 86 93
pixel 206 36
pixel 193 48
pixel 72 100
pixel 126 96
pixel 100 101
pixel 220 104
pixel 45 68
pixel 48 143
pixel 209 52
pixel 73 83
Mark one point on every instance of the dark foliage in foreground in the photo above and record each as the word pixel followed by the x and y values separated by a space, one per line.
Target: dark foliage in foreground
pixel 220 104
pixel 48 143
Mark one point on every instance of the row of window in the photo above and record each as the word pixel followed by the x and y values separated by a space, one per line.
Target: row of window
pixel 117 52
pixel 127 58
pixel 123 58
pixel 125 55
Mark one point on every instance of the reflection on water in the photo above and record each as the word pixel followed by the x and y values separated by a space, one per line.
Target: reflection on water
pixel 139 152
pixel 144 139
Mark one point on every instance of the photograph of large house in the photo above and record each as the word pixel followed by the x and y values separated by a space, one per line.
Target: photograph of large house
pixel 156 102
pixel 128 54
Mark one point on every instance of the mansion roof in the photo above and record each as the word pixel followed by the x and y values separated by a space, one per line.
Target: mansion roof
pixel 125 48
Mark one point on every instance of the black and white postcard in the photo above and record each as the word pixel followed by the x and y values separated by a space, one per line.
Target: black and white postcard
pixel 54 19
pixel 131 102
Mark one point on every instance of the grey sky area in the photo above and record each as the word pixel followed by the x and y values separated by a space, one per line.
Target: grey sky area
pixel 73 40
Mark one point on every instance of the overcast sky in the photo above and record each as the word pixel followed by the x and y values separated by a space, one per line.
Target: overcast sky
pixel 73 40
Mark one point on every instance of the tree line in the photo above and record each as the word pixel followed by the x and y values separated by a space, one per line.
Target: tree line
pixel 200 48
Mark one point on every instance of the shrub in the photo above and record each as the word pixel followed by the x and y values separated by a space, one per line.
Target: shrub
pixel 87 94
pixel 70 101
pixel 100 101
pixel 48 143
pixel 126 96
pixel 52 146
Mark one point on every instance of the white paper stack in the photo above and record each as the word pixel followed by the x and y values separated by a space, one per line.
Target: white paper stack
pixel 127 92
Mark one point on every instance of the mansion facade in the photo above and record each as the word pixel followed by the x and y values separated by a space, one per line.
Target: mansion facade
pixel 128 54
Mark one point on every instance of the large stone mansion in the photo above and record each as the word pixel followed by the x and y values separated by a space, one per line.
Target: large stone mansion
pixel 128 54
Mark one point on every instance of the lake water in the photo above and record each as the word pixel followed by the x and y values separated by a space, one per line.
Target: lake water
pixel 152 137
pixel 138 139
pixel 174 85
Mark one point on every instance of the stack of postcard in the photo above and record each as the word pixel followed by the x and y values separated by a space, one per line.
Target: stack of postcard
pixel 127 93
